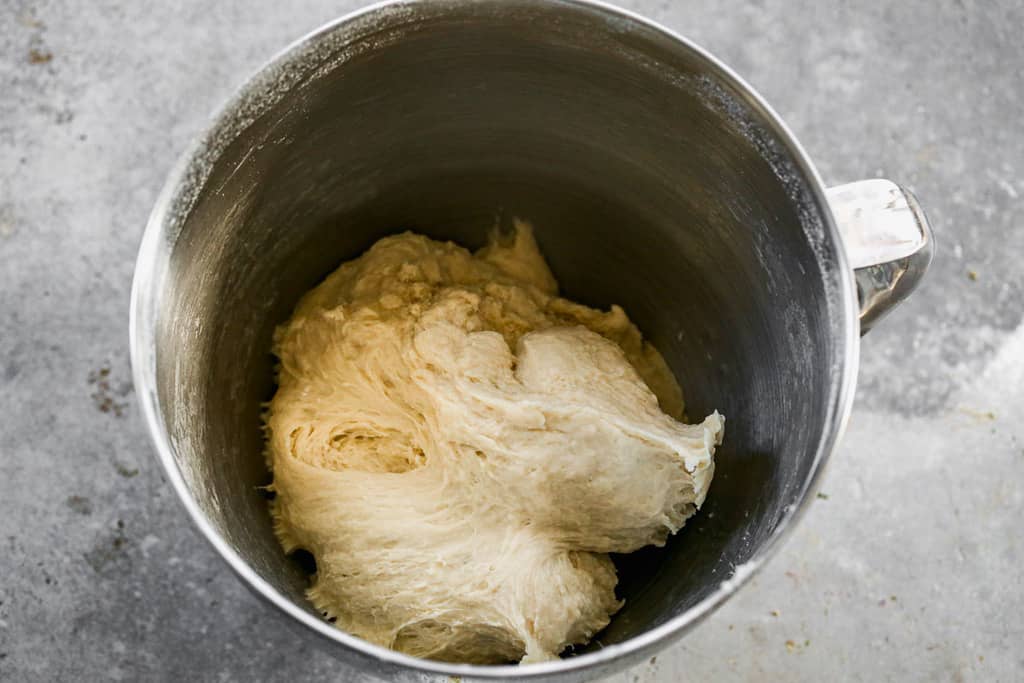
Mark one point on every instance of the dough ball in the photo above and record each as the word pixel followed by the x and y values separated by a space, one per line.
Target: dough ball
pixel 460 448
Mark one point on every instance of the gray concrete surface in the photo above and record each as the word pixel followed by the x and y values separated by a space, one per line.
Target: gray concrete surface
pixel 908 570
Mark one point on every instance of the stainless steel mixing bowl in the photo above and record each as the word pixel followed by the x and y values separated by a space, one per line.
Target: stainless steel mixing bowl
pixel 656 180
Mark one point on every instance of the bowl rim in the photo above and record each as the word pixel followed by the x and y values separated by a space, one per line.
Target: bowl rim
pixel 177 197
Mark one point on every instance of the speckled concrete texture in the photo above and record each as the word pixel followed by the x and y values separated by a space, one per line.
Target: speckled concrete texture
pixel 906 568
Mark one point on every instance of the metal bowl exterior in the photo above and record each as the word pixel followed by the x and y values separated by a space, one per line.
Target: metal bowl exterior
pixel 155 272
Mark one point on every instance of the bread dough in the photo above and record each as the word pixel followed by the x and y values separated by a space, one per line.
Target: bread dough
pixel 459 448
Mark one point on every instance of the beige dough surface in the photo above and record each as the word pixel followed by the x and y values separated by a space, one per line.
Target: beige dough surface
pixel 459 448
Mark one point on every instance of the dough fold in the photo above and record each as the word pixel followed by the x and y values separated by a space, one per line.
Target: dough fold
pixel 459 448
